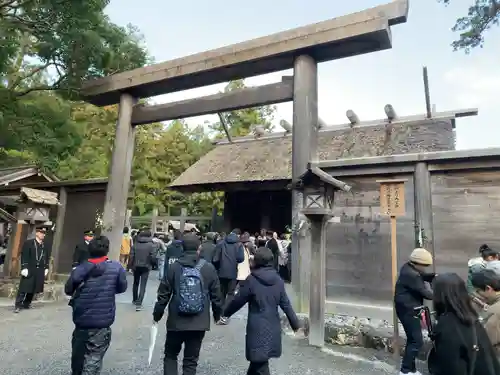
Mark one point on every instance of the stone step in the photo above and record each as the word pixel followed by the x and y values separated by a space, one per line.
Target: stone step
pixel 53 291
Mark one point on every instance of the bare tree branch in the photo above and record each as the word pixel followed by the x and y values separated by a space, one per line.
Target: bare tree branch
pixel 29 74
pixel 54 86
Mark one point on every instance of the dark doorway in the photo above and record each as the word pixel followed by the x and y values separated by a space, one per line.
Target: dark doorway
pixel 252 210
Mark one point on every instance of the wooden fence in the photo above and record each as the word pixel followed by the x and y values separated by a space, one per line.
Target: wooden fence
pixel 452 207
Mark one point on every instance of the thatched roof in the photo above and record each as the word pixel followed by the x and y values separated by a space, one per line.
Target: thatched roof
pixel 39 196
pixel 270 158
pixel 13 174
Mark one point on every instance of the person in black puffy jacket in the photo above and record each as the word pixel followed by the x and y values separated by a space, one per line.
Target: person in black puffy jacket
pixel 410 292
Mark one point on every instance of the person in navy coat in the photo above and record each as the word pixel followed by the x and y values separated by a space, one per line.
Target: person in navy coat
pixel 264 291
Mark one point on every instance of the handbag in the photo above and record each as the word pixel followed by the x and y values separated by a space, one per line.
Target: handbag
pixel 475 348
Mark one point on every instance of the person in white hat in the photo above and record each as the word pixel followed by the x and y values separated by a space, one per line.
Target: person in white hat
pixel 410 292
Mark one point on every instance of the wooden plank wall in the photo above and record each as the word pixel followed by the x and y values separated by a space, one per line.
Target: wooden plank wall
pixel 358 244
pixel 466 207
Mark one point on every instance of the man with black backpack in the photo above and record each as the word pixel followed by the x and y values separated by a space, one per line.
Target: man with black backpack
pixel 189 286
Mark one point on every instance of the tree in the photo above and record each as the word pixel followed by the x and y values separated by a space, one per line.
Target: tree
pixel 96 128
pixel 49 47
pixel 481 16
pixel 162 154
pixel 64 42
pixel 37 128
pixel 241 121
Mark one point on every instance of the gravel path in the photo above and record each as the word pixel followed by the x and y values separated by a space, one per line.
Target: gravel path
pixel 38 342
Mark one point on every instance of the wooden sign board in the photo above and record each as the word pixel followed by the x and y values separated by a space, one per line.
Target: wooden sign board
pixel 392 197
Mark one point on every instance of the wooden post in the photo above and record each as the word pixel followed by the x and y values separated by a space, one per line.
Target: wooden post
pixel 154 220
pixel 58 235
pixel 424 228
pixel 392 204
pixel 305 123
pixel 126 179
pixel 182 221
pixel 128 221
pixel 317 293
pixel 115 204
pixel 394 276
pixel 14 250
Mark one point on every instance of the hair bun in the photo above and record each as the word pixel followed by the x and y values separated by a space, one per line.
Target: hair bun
pixel 483 248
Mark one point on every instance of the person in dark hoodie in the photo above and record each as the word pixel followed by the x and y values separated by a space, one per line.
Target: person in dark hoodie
pixel 191 283
pixel 228 254
pixel 142 259
pixel 174 251
pixel 208 247
pixel 264 291
pixel 92 286
pixel 410 292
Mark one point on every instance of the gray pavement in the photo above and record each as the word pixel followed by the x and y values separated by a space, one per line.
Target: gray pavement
pixel 38 342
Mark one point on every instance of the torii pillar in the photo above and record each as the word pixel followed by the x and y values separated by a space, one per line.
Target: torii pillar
pixel 115 206
pixel 304 151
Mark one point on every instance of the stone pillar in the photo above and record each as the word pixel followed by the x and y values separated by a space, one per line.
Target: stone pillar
pixel 317 291
pixel 119 177
pixel 305 122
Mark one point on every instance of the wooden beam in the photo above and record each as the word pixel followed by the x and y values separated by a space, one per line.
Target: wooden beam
pixel 438 156
pixel 58 235
pixel 174 218
pixel 362 32
pixel 225 127
pixel 248 97
pixel 424 226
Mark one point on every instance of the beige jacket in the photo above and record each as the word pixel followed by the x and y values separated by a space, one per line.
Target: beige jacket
pixel 244 267
pixel 492 325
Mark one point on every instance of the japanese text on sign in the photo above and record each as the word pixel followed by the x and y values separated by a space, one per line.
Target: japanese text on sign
pixel 392 199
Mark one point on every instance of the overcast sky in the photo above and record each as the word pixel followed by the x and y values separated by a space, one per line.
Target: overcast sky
pixel 364 83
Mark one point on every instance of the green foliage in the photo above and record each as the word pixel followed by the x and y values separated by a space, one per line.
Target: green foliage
pixel 481 16
pixel 57 44
pixel 240 122
pixel 96 129
pixel 49 47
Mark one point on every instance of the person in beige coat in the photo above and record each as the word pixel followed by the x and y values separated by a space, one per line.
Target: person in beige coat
pixel 244 267
pixel 487 284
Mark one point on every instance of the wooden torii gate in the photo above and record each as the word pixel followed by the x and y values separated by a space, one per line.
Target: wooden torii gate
pixel 300 49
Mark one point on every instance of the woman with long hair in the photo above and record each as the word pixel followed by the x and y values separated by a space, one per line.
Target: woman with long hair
pixel 461 344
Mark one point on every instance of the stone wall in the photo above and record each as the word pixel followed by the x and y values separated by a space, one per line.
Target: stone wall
pixel 377 140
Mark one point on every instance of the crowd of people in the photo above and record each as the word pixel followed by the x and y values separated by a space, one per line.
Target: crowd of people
pixel 214 274
pixel 218 274
pixel 466 338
